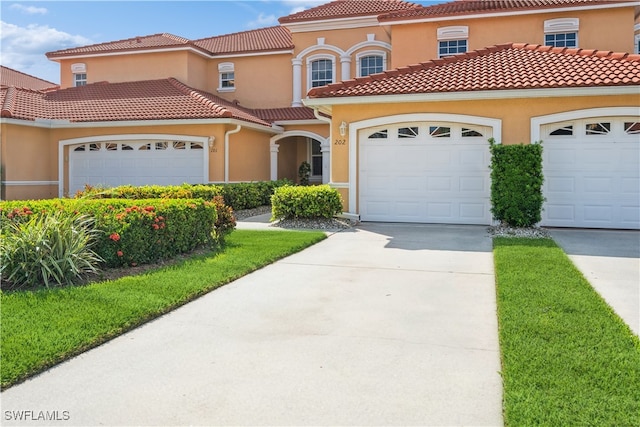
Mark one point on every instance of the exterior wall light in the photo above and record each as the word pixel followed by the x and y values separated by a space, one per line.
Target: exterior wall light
pixel 343 128
pixel 212 139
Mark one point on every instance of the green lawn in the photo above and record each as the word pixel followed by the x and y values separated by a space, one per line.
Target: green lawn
pixel 567 359
pixel 41 328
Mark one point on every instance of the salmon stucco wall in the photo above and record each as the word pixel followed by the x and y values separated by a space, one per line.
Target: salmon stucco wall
pixel 249 156
pixel 260 81
pixel 415 43
pixel 27 158
pixel 515 115
pixel 148 66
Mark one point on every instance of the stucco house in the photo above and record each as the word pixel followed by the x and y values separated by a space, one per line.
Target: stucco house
pixel 392 103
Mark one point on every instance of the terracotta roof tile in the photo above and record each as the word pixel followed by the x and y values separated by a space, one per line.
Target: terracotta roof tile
pixel 347 9
pixel 473 7
pixel 510 66
pixel 289 113
pixel 11 77
pixel 263 39
pixel 164 99
pixel 467 7
pixel 135 43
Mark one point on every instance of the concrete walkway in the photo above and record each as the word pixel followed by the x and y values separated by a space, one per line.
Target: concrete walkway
pixel 383 324
pixel 610 261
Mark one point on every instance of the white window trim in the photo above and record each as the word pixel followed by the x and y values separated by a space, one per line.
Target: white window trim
pixel 452 33
pixel 225 67
pixel 366 53
pixel 562 25
pixel 313 58
pixel 75 80
pixel 457 32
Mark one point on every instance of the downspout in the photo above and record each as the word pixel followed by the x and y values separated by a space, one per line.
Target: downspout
pixel 226 151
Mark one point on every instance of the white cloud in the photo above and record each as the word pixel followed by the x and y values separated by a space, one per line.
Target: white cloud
pixel 263 21
pixel 30 10
pixel 300 5
pixel 24 48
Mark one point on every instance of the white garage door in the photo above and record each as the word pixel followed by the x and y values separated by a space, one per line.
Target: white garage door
pixel 425 172
pixel 111 164
pixel 591 170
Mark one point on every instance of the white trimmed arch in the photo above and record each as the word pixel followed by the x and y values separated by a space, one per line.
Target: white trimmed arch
pixel 324 144
pixel 355 127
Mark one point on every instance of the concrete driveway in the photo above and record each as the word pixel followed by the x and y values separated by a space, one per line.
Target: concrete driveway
pixel 610 261
pixel 383 324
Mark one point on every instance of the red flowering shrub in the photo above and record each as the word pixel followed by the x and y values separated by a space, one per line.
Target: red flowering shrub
pixel 132 231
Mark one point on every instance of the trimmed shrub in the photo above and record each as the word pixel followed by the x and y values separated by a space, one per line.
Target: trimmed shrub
pixel 317 201
pixel 516 183
pixel 184 191
pixel 132 232
pixel 51 249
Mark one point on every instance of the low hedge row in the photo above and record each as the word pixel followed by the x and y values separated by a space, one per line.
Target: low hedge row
pixel 317 201
pixel 132 232
pixel 244 195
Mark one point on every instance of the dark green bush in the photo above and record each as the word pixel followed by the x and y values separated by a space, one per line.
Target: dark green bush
pixel 516 183
pixel 317 201
pixel 132 232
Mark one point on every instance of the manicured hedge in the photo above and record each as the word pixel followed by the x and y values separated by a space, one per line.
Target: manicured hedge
pixel 516 183
pixel 245 195
pixel 317 201
pixel 132 232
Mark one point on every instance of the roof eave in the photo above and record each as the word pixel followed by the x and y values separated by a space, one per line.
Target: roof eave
pixel 491 14
pixel 474 95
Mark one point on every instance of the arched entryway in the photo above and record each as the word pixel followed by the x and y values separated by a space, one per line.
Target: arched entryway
pixel 290 149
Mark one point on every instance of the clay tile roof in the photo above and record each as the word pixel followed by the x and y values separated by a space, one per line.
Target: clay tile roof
pixel 347 9
pixel 473 7
pixel 11 77
pixel 164 99
pixel 134 43
pixel 288 113
pixel 263 39
pixel 509 66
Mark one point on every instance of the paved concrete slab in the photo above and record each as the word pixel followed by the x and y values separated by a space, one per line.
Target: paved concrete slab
pixel 383 324
pixel 610 261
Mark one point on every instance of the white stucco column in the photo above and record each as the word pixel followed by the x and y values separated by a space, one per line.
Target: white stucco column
pixel 297 82
pixel 345 65
pixel 325 149
pixel 274 161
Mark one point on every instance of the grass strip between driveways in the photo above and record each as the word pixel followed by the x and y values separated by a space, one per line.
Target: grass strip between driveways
pixel 567 358
pixel 41 328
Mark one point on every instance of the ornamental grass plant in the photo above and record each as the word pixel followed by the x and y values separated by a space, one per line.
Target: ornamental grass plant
pixel 50 250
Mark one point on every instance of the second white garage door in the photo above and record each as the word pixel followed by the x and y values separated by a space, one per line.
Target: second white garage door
pixel 592 173
pixel 425 172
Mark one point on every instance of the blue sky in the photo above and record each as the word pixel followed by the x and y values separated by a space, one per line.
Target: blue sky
pixel 29 29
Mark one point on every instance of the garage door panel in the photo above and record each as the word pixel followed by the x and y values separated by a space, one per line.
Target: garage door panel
pixel 592 180
pixel 133 163
pixel 442 180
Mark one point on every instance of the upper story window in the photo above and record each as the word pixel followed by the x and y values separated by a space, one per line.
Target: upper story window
pixel 321 71
pixel 561 32
pixel 226 77
pixel 79 71
pixel 636 43
pixel 452 40
pixel 371 63
pixel 80 79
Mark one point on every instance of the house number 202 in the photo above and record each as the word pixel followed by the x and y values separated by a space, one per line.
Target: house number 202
pixel 340 142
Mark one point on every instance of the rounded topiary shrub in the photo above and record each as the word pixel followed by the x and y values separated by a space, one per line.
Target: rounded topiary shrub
pixel 316 201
